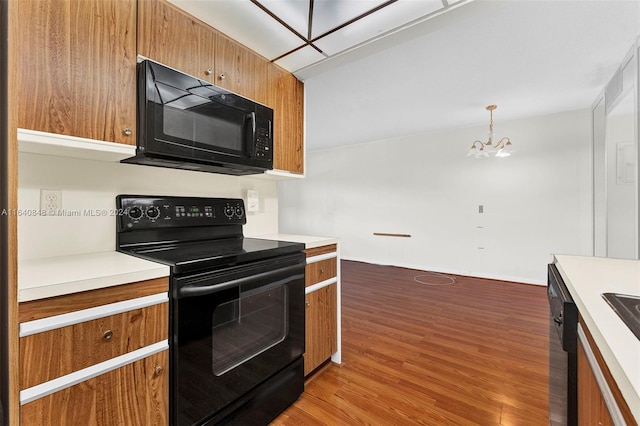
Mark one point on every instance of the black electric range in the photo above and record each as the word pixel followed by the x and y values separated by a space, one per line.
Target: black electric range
pixel 236 308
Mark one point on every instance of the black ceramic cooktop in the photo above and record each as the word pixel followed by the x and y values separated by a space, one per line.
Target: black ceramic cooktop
pixel 196 256
pixel 628 309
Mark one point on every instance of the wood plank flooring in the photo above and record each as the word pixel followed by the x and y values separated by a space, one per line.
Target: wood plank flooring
pixel 470 353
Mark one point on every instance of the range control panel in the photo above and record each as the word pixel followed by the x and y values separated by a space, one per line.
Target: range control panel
pixel 141 212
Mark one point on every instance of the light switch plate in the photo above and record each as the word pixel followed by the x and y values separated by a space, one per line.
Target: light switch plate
pixel 252 199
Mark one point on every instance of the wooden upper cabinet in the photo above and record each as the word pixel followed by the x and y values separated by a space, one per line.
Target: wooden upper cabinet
pixel 246 73
pixel 286 97
pixel 241 70
pixel 76 68
pixel 172 37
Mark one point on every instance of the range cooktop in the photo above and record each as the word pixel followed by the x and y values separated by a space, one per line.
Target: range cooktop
pixel 191 234
pixel 206 255
pixel 628 309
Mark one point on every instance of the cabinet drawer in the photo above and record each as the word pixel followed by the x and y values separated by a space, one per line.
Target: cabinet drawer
pixel 317 251
pixel 50 354
pixel 319 271
pixel 136 394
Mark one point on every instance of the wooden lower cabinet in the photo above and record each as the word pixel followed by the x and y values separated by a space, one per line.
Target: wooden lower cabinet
pixel 600 402
pixel 319 271
pixel 135 394
pixel 592 409
pixel 45 356
pixel 103 355
pixel 320 327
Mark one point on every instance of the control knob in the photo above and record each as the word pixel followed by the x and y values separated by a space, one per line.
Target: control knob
pixel 135 213
pixel 229 211
pixel 239 211
pixel 153 212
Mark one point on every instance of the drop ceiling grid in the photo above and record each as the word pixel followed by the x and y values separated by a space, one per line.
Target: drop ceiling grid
pixel 297 33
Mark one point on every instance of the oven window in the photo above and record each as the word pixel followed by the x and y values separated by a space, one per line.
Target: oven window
pixel 247 326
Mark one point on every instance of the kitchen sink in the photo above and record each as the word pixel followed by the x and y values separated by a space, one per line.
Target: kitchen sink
pixel 628 309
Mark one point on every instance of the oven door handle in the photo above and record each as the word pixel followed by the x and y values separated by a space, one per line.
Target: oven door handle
pixel 557 319
pixel 204 290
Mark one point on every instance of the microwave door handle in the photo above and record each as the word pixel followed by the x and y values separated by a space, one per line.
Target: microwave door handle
pixel 252 140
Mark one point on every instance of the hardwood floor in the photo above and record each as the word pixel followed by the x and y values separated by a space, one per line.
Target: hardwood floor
pixel 470 353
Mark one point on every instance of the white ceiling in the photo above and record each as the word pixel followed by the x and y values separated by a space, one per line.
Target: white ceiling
pixel 297 33
pixel 530 57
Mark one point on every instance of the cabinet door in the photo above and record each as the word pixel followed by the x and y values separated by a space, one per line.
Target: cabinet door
pixel 135 394
pixel 320 327
pixel 172 37
pixel 241 70
pixel 286 97
pixel 592 408
pixel 77 68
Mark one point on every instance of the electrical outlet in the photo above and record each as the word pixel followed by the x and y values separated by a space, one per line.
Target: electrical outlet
pixel 50 201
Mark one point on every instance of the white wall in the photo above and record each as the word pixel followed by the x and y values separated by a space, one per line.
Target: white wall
pixel 621 196
pixel 90 186
pixel 536 202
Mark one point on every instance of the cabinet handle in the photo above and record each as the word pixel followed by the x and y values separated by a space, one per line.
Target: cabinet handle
pixel 322 270
pixel 158 370
pixel 222 76
pixel 208 71
pixel 107 335
pixel 307 303
pixel 127 131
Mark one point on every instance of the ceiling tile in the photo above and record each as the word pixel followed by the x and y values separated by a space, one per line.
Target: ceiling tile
pixel 329 14
pixel 294 12
pixel 376 24
pixel 249 24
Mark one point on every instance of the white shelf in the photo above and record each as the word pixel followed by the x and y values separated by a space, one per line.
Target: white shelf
pixel 276 175
pixel 36 142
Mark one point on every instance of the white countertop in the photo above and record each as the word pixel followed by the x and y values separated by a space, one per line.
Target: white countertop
pixel 56 276
pixel 309 241
pixel 586 279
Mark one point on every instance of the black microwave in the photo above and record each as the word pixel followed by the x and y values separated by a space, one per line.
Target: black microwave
pixel 187 123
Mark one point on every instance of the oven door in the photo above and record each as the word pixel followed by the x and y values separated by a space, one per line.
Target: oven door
pixel 233 329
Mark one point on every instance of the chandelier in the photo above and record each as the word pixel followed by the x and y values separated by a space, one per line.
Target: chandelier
pixel 501 148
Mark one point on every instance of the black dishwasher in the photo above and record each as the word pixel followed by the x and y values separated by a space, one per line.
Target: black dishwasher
pixel 563 352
